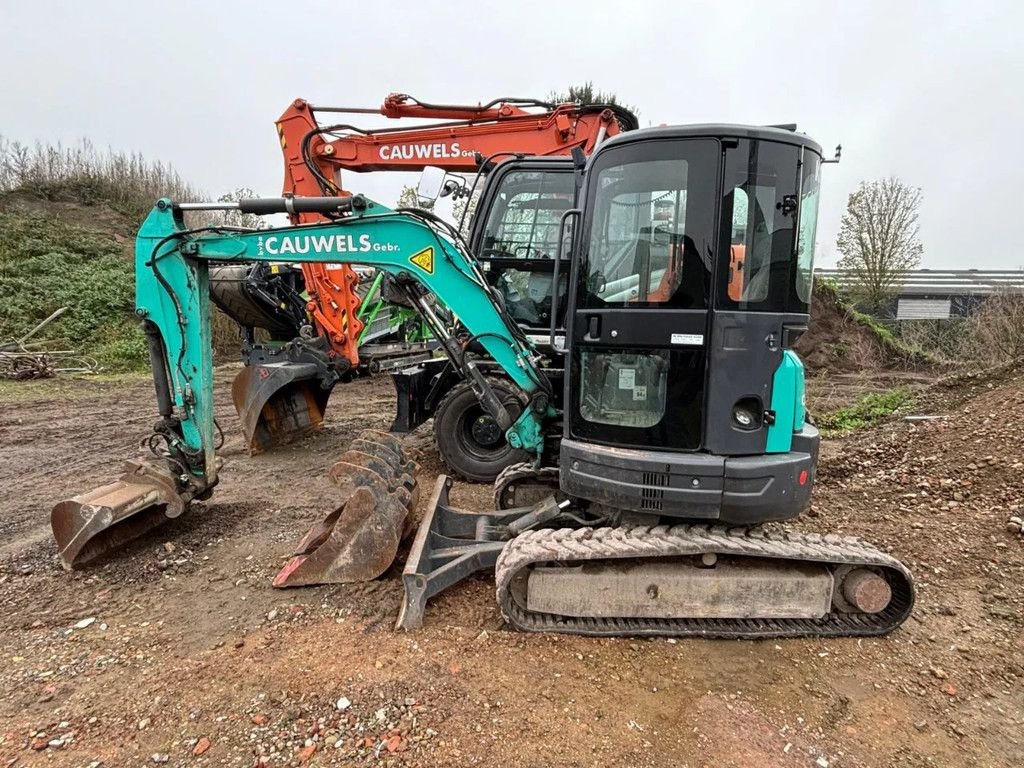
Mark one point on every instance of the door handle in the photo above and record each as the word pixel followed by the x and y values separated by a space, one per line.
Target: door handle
pixel 594 327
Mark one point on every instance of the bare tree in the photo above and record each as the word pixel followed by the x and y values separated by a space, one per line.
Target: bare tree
pixel 878 239
pixel 408 198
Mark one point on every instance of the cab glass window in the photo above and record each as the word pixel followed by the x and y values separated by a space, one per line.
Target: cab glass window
pixel 651 228
pixel 809 190
pixel 769 214
pixel 524 218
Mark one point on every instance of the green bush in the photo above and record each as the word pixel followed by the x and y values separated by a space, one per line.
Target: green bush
pixel 46 264
pixel 68 216
pixel 870 409
pixel 125 352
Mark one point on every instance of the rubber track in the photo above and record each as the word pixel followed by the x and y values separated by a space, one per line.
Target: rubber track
pixel 515 473
pixel 569 544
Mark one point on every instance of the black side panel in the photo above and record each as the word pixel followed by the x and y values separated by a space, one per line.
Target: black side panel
pixel 744 490
pixel 746 349
pixel 413 387
pixel 658 482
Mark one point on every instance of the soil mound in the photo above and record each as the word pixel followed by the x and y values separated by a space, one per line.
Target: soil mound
pixel 958 472
pixel 840 339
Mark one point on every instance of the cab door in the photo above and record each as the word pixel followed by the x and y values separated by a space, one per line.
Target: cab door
pixel 642 292
pixel 515 238
pixel 753 316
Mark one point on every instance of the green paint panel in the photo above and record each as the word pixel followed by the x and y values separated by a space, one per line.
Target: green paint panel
pixel 184 323
pixel 787 402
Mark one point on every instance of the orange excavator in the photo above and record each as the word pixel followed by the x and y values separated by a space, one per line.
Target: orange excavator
pixel 320 337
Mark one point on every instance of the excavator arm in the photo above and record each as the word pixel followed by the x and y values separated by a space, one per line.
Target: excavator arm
pixel 172 300
pixel 315 154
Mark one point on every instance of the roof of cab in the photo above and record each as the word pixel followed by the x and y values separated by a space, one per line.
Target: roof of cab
pixel 716 131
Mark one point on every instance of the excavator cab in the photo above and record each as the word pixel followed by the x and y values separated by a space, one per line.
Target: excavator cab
pixel 683 426
pixel 516 237
pixel 686 399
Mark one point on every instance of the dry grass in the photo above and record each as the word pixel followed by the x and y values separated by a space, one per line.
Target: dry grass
pixel 995 333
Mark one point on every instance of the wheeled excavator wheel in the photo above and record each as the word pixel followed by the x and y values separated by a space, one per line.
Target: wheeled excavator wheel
pixel 471 443
pixel 230 291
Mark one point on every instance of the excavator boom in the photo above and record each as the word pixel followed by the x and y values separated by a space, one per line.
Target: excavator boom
pixel 315 154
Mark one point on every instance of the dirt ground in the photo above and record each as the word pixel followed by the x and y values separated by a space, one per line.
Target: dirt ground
pixel 177 650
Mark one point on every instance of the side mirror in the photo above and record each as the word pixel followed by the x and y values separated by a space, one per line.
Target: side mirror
pixel 838 156
pixel 431 183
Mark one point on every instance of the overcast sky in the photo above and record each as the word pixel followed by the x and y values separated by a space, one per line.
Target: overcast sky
pixel 932 92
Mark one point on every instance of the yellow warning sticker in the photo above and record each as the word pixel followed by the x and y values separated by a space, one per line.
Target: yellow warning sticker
pixel 424 259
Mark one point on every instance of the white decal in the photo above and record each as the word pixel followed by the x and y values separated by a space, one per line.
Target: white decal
pixel 545 339
pixel 627 378
pixel 689 339
pixel 281 245
pixel 640 393
pixel 437 151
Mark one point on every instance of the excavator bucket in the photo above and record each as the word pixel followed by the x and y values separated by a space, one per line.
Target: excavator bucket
pixel 359 540
pixel 278 403
pixel 108 517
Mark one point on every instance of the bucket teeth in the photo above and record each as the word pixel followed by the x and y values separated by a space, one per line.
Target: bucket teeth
pixel 383 452
pixel 105 518
pixel 359 540
pixel 382 455
pixel 355 468
pixel 386 439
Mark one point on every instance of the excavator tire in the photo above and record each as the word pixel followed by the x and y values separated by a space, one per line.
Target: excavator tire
pixel 471 444
pixel 229 292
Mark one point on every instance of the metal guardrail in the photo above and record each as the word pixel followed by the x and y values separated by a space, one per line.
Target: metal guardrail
pixel 939 282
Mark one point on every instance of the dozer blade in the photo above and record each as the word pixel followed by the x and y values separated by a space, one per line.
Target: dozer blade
pixel 278 403
pixel 110 516
pixel 359 540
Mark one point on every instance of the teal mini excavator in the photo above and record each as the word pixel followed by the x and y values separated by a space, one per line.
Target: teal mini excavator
pixel 679 431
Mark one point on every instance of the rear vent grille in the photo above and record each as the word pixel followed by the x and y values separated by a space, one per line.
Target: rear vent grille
pixel 652 494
